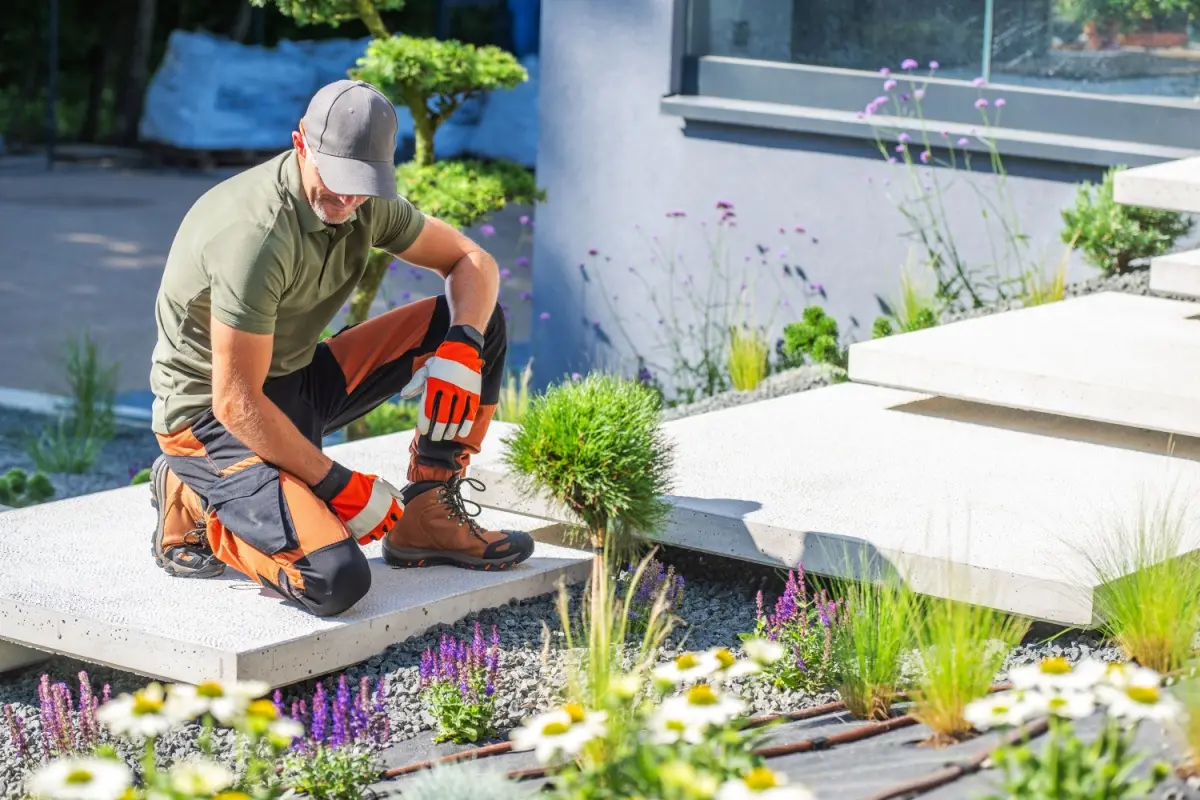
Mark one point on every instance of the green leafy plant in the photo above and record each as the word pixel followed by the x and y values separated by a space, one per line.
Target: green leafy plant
pixel 915 311
pixel 335 12
pixel 464 191
pixel 815 336
pixel 596 447
pixel 804 626
pixel 515 396
pixel 60 449
pixel 18 489
pixel 656 580
pixel 392 416
pixel 748 358
pixel 1147 596
pixel 458 684
pixel 961 647
pixel 869 644
pixel 1067 768
pixel 322 772
pixel 1112 235
pixel 141 476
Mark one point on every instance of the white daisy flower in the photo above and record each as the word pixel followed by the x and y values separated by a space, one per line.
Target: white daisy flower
pixel 664 728
pixel 701 706
pixel 1067 705
pixel 686 668
pixel 282 732
pixel 80 778
pixel 1127 673
pixel 226 701
pixel 1140 698
pixel 763 784
pixel 562 731
pixel 200 776
pixel 1056 675
pixel 1003 709
pixel 729 666
pixel 763 651
pixel 141 714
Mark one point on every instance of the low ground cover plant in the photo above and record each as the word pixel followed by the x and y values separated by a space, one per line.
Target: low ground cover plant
pixel 815 337
pixel 18 488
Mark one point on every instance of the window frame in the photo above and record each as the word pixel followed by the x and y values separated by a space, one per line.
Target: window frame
pixel 1038 123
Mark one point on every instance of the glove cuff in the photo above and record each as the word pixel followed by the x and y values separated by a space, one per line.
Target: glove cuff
pixel 466 334
pixel 334 483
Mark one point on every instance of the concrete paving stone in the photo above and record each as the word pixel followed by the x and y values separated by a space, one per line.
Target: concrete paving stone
pixel 1176 273
pixel 980 503
pixel 14 656
pixel 1170 185
pixel 99 596
pixel 1112 357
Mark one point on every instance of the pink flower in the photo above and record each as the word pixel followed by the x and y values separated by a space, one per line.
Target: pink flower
pixel 908 63
pixel 963 142
pixel 524 219
pixel 487 230
pixel 545 315
pixel 981 103
pixel 1001 102
pixel 889 84
pixel 924 156
pixel 885 71
pixel 933 65
pixel 919 94
pixel 981 81
pixel 506 273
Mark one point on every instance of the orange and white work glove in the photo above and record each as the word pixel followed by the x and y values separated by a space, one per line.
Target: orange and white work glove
pixel 367 504
pixel 451 381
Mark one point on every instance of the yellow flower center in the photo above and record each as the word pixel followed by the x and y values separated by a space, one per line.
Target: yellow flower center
pixel 687 661
pixel 702 695
pixel 80 776
pixel 726 658
pixel 1056 666
pixel 145 705
pixel 575 712
pixel 760 779
pixel 1143 694
pixel 263 708
pixel 232 796
pixel 1057 702
pixel 1000 710
pixel 210 689
pixel 555 729
pixel 675 725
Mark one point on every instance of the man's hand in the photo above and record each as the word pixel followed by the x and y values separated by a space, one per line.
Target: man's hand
pixel 450 383
pixel 367 504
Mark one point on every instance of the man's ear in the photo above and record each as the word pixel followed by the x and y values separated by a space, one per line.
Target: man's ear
pixel 298 141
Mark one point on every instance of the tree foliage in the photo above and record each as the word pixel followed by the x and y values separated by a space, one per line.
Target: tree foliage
pixel 334 12
pixel 433 78
pixel 463 191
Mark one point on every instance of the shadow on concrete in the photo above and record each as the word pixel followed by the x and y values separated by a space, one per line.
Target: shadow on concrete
pixel 1054 426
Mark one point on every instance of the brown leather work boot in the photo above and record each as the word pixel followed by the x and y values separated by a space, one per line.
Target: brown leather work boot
pixel 437 529
pixel 180 543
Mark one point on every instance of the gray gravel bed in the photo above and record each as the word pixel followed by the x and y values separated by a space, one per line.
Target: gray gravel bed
pixel 130 449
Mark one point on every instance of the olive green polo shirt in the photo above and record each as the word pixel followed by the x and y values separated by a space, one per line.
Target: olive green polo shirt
pixel 252 253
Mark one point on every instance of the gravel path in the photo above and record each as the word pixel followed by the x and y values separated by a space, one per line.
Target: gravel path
pixel 716 608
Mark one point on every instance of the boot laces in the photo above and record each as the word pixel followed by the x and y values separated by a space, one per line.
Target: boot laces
pixel 451 494
pixel 197 537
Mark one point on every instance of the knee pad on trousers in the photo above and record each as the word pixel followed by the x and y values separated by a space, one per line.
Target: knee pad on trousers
pixel 335 579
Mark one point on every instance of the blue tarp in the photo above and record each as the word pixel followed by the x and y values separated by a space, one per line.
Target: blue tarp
pixel 211 93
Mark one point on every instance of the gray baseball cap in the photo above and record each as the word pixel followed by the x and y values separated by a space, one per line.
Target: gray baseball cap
pixel 350 128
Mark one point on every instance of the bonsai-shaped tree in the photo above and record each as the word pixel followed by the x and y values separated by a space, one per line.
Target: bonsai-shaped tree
pixel 432 78
pixel 595 447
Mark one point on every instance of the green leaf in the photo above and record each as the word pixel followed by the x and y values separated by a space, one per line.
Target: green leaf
pixel 445 70
pixel 461 192
pixel 328 12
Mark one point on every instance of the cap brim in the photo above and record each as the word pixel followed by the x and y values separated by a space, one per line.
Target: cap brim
pixel 351 176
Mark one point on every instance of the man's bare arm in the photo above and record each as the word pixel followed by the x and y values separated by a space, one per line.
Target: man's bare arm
pixel 240 363
pixel 472 275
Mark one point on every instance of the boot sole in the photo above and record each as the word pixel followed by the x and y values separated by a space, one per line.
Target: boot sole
pixel 402 558
pixel 213 569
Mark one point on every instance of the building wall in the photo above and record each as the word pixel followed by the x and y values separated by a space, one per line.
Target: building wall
pixel 611 161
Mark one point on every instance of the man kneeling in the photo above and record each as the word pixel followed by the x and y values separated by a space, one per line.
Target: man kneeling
pixel 245 388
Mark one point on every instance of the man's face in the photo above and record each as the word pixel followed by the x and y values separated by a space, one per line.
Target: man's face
pixel 330 207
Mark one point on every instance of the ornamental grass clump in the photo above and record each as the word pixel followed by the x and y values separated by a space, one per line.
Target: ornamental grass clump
pixel 869 645
pixel 804 626
pixel 961 647
pixel 458 683
pixel 1147 595
pixel 1107 765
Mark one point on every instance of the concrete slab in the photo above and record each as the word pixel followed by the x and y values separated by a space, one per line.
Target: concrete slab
pixel 14 656
pixel 102 599
pixel 984 504
pixel 1170 185
pixel 1176 273
pixel 1113 357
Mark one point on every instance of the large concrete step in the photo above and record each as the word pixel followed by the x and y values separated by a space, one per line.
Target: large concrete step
pixel 983 504
pixel 1176 273
pixel 1170 185
pixel 1112 357
pixel 76 578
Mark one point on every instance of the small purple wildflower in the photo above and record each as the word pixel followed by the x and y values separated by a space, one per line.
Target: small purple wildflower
pixel 524 220
pixel 919 94
pixel 884 71
pixel 980 81
pixel 676 214
pixel 963 142
pixel 933 65
pixel 526 296
pixel 904 137
pixel 1001 102
pixel 925 156
pixel 487 230
pixel 545 315
pixel 908 63
pixel 889 84
pixel 981 103
pixel 522 261
pixel 505 273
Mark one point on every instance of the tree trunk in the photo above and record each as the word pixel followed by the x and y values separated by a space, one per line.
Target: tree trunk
pixel 370 17
pixel 139 71
pixel 368 287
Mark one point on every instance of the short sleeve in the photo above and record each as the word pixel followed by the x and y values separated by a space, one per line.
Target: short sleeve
pixel 247 274
pixel 396 225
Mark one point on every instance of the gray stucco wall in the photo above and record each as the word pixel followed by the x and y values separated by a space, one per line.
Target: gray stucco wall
pixel 610 160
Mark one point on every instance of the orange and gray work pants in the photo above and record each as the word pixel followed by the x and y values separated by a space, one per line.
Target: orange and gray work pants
pixel 266 523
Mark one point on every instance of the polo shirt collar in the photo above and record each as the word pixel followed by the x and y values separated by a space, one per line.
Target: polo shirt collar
pixel 308 218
